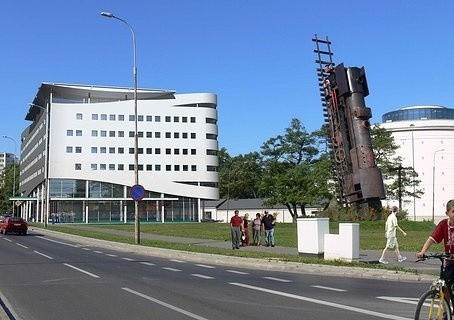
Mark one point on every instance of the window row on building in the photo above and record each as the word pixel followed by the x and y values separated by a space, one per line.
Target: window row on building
pixel 148 167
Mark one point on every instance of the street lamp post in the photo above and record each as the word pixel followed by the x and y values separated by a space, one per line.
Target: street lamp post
pixel 136 142
pixel 46 162
pixel 412 126
pixel 14 168
pixel 433 185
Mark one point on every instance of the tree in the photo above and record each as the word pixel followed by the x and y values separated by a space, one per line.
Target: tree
pixel 293 174
pixel 399 181
pixel 6 189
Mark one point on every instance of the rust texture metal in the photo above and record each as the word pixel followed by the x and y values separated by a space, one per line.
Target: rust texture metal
pixel 343 91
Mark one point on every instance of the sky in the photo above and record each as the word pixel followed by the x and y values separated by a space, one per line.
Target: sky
pixel 256 55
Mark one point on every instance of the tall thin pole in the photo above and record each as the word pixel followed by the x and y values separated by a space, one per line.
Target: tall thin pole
pixel 14 169
pixel 136 141
pixel 413 165
pixel 433 185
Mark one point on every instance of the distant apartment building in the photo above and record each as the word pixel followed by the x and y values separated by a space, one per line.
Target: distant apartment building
pixel 425 135
pixel 6 159
pixel 80 143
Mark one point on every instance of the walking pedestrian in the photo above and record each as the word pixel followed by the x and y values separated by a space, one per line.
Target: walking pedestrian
pixel 391 236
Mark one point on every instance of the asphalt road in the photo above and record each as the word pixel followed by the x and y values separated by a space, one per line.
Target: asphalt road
pixel 45 276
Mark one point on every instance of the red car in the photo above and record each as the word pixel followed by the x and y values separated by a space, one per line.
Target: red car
pixel 13 224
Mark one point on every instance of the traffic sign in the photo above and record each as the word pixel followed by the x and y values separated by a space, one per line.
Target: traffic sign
pixel 137 192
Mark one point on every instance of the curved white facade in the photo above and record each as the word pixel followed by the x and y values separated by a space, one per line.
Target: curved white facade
pixel 426 145
pixel 91 139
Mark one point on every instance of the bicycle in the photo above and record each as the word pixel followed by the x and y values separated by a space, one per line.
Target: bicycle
pixel 436 303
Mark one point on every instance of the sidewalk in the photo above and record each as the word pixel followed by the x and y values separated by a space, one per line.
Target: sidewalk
pixel 365 256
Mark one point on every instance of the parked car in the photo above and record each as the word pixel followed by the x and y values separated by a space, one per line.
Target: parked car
pixel 13 224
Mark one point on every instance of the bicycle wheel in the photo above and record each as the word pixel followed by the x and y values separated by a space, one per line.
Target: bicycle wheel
pixel 431 308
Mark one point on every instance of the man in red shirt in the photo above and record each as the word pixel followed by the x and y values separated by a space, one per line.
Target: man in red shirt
pixel 236 223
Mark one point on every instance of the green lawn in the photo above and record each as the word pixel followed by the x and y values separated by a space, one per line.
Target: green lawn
pixel 371 232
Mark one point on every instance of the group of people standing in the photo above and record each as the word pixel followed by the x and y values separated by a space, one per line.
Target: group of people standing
pixel 240 229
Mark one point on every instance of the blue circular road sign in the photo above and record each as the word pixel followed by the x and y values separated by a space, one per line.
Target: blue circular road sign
pixel 137 192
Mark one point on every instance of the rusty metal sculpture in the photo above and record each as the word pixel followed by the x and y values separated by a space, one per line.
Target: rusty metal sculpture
pixel 342 90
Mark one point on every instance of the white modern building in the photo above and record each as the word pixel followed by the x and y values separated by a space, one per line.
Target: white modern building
pixel 80 143
pixel 6 159
pixel 425 135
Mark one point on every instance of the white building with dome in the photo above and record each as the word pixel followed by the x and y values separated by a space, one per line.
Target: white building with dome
pixel 425 135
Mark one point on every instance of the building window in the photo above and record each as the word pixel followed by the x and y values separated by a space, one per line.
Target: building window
pixel 69 149
pixel 192 119
pixel 131 150
pixel 79 133
pixel 102 166
pixel 184 119
pixel 131 117
pixel 193 152
pixel 103 133
pixel 176 135
pixel 102 150
pixel 140 118
pixel 121 134
pixel 131 167
pixel 176 151
pixel 185 167
pixel 112 134
pixel 211 136
pixel 94 133
pixel 176 119
pixel 185 135
pixel 157 135
pixel 140 134
pixel 94 149
pixel 111 166
pixel 78 116
pixel 120 167
pixel 168 167
pixel 176 167
pixel 168 135
pixel 193 167
pixel 193 135
pixel 157 118
pixel 111 149
pixel 185 151
pixel 149 134
pixel 149 118
pixel 69 133
pixel 121 150
pixel 157 150
pixel 103 116
pixel 78 149
pixel 77 166
pixel 168 118
pixel 168 151
pixel 149 167
pixel 149 150
pixel 94 116
pixel 94 166
pixel 112 117
pixel 157 167
pixel 121 117
pixel 131 134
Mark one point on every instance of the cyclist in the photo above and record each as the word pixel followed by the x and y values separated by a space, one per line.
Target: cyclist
pixel 444 231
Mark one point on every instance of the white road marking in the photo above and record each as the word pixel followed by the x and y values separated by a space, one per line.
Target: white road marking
pixel 322 302
pixel 277 279
pixel 171 269
pixel 165 304
pixel 9 240
pixel 81 270
pixel 205 266
pixel 128 259
pixel 111 255
pixel 148 263
pixel 179 261
pixel 97 251
pixel 60 242
pixel 400 299
pixel 201 276
pixel 329 288
pixel 86 249
pixel 236 272
pixel 44 255
pixel 21 245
